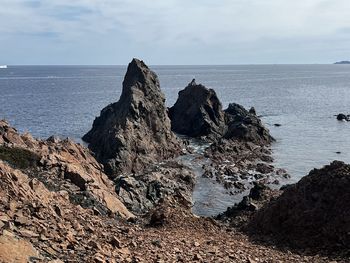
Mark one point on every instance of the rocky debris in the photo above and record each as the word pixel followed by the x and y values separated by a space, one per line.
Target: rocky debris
pixel 246 126
pixel 135 131
pixel 343 117
pixel 168 180
pixel 197 112
pixel 43 220
pixel 238 154
pixel 49 222
pixel 240 214
pixel 237 165
pixel 61 165
pixel 314 213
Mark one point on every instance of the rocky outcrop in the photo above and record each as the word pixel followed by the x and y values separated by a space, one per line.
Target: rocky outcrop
pixel 343 117
pixel 245 125
pixel 237 164
pixel 135 131
pixel 313 213
pixel 167 181
pixel 61 165
pixel 197 112
pixel 240 214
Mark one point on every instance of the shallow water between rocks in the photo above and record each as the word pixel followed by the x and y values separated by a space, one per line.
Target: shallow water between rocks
pixel 209 197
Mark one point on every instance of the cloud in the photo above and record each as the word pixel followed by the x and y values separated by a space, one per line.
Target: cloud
pixel 176 24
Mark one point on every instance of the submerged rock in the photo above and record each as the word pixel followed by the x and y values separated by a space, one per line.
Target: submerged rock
pixel 343 117
pixel 136 130
pixel 314 213
pixel 197 112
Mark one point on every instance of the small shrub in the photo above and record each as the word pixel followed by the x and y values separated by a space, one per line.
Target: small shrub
pixel 19 158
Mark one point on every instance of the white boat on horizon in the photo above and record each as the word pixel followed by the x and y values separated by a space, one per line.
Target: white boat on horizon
pixel 3 66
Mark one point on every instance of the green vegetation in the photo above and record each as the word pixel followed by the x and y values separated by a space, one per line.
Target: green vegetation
pixel 19 158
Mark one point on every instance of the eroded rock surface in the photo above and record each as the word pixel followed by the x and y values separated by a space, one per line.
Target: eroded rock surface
pixel 197 112
pixel 60 165
pixel 315 212
pixel 168 180
pixel 136 130
pixel 246 126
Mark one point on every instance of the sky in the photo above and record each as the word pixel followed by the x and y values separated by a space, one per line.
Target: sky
pixel 169 32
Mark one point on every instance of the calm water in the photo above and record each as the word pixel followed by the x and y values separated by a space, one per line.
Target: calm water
pixel 64 100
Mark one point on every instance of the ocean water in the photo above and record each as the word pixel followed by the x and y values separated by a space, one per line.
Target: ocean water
pixel 64 100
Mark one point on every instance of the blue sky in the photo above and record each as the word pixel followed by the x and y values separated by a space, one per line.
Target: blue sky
pixel 174 31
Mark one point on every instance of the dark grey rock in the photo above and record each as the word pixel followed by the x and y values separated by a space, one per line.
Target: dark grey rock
pixel 197 112
pixel 245 126
pixel 135 131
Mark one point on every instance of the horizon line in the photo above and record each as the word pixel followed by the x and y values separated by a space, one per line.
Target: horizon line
pixel 156 65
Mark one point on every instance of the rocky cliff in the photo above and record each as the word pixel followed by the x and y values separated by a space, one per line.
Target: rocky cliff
pixel 135 131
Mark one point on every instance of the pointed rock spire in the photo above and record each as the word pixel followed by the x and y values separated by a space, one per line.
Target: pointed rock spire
pixel 136 130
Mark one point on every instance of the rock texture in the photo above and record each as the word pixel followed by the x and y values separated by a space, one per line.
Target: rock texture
pixel 313 213
pixel 197 112
pixel 136 130
pixel 167 181
pixel 60 165
pixel 245 125
pixel 16 250
pixel 52 210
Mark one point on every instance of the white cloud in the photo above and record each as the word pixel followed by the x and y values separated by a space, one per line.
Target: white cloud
pixel 177 23
pixel 179 20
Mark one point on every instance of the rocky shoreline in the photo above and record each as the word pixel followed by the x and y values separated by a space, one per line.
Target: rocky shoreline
pixel 128 198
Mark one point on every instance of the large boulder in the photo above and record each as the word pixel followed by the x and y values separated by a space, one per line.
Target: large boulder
pixel 197 112
pixel 136 130
pixel 245 125
pixel 313 213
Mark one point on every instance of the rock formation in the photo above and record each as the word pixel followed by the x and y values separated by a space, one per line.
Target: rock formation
pixel 136 130
pixel 343 117
pixel 197 112
pixel 167 181
pixel 313 213
pixel 245 126
pixel 60 165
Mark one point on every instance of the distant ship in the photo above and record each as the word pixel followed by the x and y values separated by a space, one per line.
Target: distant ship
pixel 3 66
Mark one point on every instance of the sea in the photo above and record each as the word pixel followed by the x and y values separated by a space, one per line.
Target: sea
pixel 302 99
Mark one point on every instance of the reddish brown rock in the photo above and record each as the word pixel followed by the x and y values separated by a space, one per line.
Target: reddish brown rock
pixel 56 165
pixel 16 250
pixel 315 212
